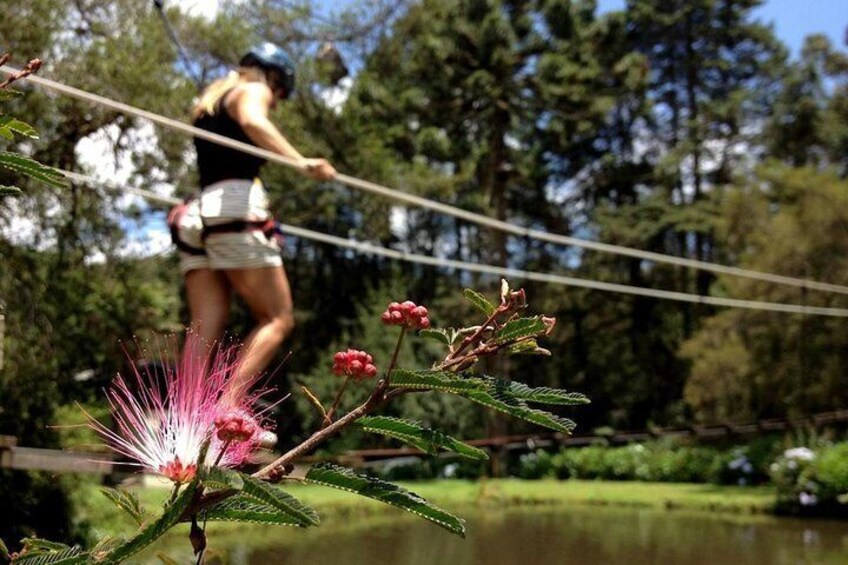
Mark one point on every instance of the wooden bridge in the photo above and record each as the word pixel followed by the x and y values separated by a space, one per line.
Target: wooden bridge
pixel 13 456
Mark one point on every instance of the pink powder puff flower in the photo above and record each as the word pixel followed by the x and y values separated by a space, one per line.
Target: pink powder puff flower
pixel 163 421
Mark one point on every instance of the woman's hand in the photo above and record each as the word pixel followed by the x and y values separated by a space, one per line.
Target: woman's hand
pixel 319 169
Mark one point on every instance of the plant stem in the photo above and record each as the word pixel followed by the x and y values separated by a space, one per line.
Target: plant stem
pixel 376 400
pixel 223 451
pixel 314 401
pixel 328 417
pixel 475 336
pixel 395 355
pixel 175 493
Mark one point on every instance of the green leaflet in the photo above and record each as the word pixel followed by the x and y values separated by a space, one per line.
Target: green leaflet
pixel 265 494
pixel 126 501
pixel 43 552
pixel 480 301
pixel 436 380
pixel 240 508
pixel 10 126
pixel 341 478
pixel 9 190
pixel 508 404
pixel 439 335
pixel 222 478
pixel 425 439
pixel 517 329
pixel 504 396
pixel 33 169
pixel 37 544
pixel 151 531
pixel 541 395
pixel 4 551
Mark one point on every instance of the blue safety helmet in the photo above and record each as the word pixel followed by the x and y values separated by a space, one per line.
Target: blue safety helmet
pixel 270 57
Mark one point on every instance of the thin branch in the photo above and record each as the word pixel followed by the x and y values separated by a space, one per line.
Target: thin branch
pixel 329 416
pixel 314 401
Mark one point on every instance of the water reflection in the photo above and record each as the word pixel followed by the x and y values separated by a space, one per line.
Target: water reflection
pixel 545 536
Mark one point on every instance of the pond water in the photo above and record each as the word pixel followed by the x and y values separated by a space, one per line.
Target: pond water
pixel 556 536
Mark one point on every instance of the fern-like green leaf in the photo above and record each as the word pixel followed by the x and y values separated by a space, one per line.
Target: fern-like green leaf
pixel 412 433
pixel 38 544
pixel 240 508
pixel 282 501
pixel 154 529
pixel 126 501
pixel 33 169
pixel 480 301
pixel 436 380
pixel 520 328
pixel 4 551
pixel 44 552
pixel 508 404
pixel 9 190
pixel 341 478
pixel 442 336
pixel 264 493
pixel 222 478
pixel 10 126
pixel 541 395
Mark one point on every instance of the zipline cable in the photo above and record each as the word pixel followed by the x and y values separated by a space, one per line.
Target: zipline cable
pixel 421 202
pixel 169 29
pixel 367 248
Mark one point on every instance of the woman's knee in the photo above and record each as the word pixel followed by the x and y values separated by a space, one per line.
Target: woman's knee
pixel 282 324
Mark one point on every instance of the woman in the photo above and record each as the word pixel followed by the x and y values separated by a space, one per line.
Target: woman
pixel 224 237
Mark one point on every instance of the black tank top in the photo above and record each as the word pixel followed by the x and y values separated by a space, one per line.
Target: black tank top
pixel 216 162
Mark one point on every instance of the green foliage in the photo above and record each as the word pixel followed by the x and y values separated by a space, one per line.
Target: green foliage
pixel 831 472
pixel 481 302
pixel 541 395
pixel 746 365
pixel 30 168
pixel 42 552
pixel 338 477
pixel 502 401
pixel 128 502
pixel 656 461
pixel 493 393
pixel 244 508
pixel 520 328
pixel 10 126
pixel 443 381
pixel 412 433
pixel 153 529
pixel 268 496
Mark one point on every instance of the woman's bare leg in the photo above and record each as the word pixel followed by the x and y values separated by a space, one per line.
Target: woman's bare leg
pixel 268 295
pixel 208 293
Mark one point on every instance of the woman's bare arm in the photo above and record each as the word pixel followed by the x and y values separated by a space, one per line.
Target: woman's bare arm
pixel 248 105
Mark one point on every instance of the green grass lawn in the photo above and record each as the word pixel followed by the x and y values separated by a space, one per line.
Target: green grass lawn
pixel 459 495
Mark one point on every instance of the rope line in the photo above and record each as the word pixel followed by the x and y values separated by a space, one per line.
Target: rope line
pixel 439 207
pixel 371 249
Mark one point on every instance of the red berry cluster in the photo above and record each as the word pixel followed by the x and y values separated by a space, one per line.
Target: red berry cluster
pixel 406 314
pixel 357 364
pixel 235 426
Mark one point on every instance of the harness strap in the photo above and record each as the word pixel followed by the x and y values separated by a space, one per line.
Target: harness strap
pixel 268 227
pixel 174 217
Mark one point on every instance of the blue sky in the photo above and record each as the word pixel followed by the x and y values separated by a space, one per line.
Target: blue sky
pixel 793 20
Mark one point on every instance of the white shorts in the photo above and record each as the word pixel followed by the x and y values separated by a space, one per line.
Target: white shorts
pixel 220 203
